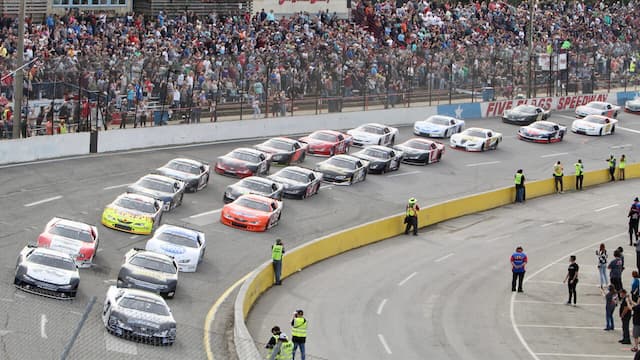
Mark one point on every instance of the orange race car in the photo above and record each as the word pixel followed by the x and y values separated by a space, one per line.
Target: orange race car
pixel 252 212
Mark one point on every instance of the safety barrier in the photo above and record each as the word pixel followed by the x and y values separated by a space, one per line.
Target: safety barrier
pixel 339 242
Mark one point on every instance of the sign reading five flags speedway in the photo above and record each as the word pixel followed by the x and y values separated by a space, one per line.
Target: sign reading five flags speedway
pixel 559 103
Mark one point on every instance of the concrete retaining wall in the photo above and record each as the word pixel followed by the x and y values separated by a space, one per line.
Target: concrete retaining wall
pixel 43 147
pixel 331 245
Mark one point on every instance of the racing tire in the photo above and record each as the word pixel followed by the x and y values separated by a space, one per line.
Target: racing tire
pixel 613 129
pixel 446 134
pixel 332 151
pixel 317 189
pixel 393 141
pixel 302 157
pixel 561 136
pixel 600 133
pixel 615 116
pixel 181 198
pixel 426 161
pixel 439 157
pixel 379 141
pixel 549 140
pixel 304 195
pixel 364 177
pixel 201 259
pixel 347 148
pixel 495 147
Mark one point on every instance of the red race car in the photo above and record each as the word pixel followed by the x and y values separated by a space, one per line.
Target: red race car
pixel 77 239
pixel 283 150
pixel 243 162
pixel 327 142
pixel 252 212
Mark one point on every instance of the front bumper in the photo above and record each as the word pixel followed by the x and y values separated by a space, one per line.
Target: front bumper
pixel 42 288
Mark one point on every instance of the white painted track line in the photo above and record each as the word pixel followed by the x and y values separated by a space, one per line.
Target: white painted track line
pixel 115 186
pixel 43 201
pixel 483 163
pixel 407 279
pixel 444 257
pixel 605 208
pixel 205 213
pixel 384 344
pixel 554 155
pixel 381 306
pixel 403 174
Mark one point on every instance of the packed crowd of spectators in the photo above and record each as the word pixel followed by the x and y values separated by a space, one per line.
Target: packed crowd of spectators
pixel 385 46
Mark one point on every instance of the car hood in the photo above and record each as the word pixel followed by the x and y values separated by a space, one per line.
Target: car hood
pixel 270 150
pixel 128 214
pixel 588 110
pixel 533 131
pixel 466 138
pixel 144 319
pixel 160 195
pixel 170 248
pixel 363 134
pixel 66 245
pixel 515 113
pixel 151 276
pixel 241 190
pixel 50 274
pixel 176 174
pixel 229 161
pixel 585 124
pixel 316 142
pixel 333 169
pixel 286 181
pixel 369 158
pixel 425 125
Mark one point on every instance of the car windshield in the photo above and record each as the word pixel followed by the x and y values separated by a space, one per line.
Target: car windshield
pixel 372 129
pixel 182 167
pixel 323 136
pixel 256 186
pixel 475 133
pixel 52 261
pixel 415 144
pixel 597 105
pixel 139 304
pixel 341 163
pixel 136 205
pixel 278 144
pixel 293 175
pixel 595 120
pixel 542 126
pixel 525 109
pixel 438 120
pixel 178 239
pixel 71 233
pixel 150 263
pixel 240 155
pixel 156 185
pixel 253 204
pixel 378 154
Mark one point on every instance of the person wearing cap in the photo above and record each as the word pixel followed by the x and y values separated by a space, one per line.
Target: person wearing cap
pixel 299 333
pixel 518 267
pixel 411 216
pixel 612 168
pixel 518 180
pixel 579 174
pixel 273 340
pixel 277 251
pixel 283 349
pixel 634 219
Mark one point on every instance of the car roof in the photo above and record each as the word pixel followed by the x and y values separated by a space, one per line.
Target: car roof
pixel 597 103
pixel 477 129
pixel 284 139
pixel 332 132
pixel 179 230
pixel 259 179
pixel 187 161
pixel 379 148
pixel 138 197
pixel 161 178
pixel 373 124
pixel 247 151
pixel 154 255
pixel 142 294
pixel 298 169
pixel 420 139
pixel 256 197
pixel 74 224
pixel 440 117
pixel 544 122
pixel 51 252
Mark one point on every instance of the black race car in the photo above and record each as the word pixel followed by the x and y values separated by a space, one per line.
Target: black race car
pixel 162 188
pixel 253 185
pixel 298 182
pixel 150 271
pixel 524 115
pixel 381 158
pixel 283 150
pixel 343 169
pixel 194 174
pixel 243 162
pixel 420 151
pixel 47 272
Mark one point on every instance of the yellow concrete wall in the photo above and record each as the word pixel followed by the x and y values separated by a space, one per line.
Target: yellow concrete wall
pixel 374 231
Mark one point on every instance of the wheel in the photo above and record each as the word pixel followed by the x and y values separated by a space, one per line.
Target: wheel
pixel 613 129
pixel 180 201
pixel 439 156
pixel 332 151
pixel 304 195
pixel 561 136
pixel 302 157
pixel 379 141
pixel 600 133
pixel 446 133
pixel 393 141
pixel 317 189
pixel 615 115
pixel 549 140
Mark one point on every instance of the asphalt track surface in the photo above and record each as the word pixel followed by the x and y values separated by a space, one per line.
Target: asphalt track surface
pixel 79 188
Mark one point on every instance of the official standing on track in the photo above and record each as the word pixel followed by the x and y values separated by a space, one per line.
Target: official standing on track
pixel 518 267
pixel 518 180
pixel 572 279
pixel 558 173
pixel 612 168
pixel 299 333
pixel 621 166
pixel 273 341
pixel 277 251
pixel 411 216
pixel 579 174
pixel 634 219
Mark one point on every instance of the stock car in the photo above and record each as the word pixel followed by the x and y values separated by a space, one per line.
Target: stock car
pixel 150 271
pixel 186 246
pixel 419 151
pixel 633 105
pixel 524 114
pixel 381 158
pixel 194 174
pixel 253 185
pixel 598 108
pixel 373 134
pixel 343 169
pixel 252 212
pixel 476 139
pixel 327 142
pixel 243 162
pixel 298 182
pixel 74 238
pixel 133 213
pixel 167 190
pixel 47 272
pixel 594 125
pixel 438 126
pixel 283 150
pixel 138 315
pixel 542 132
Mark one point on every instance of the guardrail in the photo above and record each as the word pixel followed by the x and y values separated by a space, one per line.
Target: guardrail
pixel 337 243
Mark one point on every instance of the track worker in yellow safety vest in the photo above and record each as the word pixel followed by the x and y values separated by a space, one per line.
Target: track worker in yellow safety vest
pixel 273 340
pixel 621 166
pixel 283 349
pixel 411 216
pixel 579 174
pixel 299 333
pixel 518 180
pixel 558 173
pixel 612 168
pixel 277 251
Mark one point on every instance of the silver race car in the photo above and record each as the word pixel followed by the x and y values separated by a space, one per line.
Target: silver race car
pixel 162 188
pixel 47 272
pixel 148 270
pixel 193 173
pixel 138 315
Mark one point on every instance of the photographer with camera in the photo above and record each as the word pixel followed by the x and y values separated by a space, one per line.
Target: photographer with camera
pixel 299 333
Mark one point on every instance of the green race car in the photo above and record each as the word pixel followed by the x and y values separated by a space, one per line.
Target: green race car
pixel 133 213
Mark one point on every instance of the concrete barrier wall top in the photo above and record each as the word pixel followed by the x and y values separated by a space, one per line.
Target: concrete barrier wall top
pixel 43 147
pixel 342 241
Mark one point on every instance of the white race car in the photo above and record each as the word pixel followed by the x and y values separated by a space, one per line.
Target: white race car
pixel 47 272
pixel 438 126
pixel 373 134
pixel 633 105
pixel 476 139
pixel 594 125
pixel 186 246
pixel 598 108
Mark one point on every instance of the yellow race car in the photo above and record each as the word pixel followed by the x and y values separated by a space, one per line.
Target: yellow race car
pixel 133 213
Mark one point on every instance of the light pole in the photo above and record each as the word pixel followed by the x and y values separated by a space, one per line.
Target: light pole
pixel 17 85
pixel 529 72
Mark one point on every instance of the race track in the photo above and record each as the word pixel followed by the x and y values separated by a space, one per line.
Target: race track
pixel 80 188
